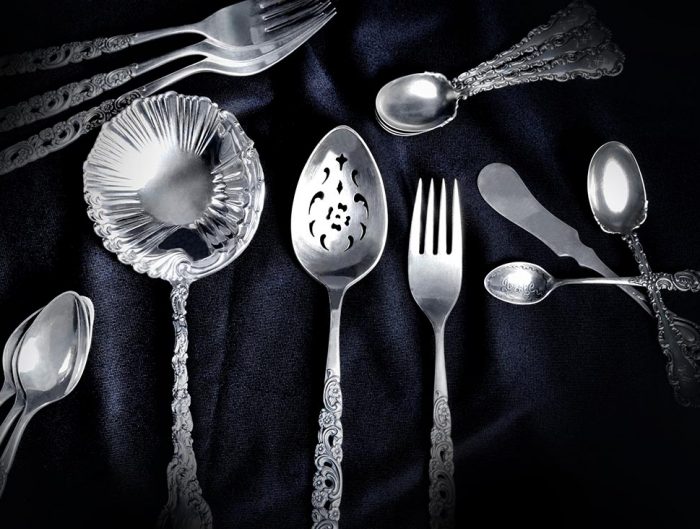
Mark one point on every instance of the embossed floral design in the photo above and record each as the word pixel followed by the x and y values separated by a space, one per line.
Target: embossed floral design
pixel 319 498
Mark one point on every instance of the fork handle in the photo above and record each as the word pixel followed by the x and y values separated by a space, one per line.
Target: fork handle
pixel 441 468
pixel 65 132
pixel 75 52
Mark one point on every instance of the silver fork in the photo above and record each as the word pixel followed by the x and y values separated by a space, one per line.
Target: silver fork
pixel 435 278
pixel 238 25
pixel 66 132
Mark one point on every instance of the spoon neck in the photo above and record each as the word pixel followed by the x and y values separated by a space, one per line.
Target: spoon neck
pixel 335 298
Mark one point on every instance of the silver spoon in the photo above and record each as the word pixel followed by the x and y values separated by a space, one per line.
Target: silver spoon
pixel 522 283
pixel 618 200
pixel 339 226
pixel 49 362
pixel 167 172
pixel 8 354
pixel 572 44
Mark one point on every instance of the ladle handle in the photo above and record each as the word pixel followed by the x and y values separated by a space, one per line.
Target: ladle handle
pixel 186 507
pixel 328 478
pixel 682 360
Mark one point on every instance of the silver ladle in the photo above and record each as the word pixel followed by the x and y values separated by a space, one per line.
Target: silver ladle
pixel 521 283
pixel 170 178
pixel 339 227
pixel 49 360
pixel 573 44
pixel 618 200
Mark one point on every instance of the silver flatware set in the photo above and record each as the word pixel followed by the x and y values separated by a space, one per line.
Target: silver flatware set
pixel 175 189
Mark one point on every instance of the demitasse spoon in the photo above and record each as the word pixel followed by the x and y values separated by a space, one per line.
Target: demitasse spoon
pixel 573 44
pixel 523 283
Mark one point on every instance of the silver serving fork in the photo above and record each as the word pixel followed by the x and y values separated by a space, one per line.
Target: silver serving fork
pixel 435 278
pixel 66 132
pixel 238 25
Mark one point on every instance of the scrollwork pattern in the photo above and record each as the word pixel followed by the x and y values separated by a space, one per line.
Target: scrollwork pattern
pixel 55 101
pixel 441 469
pixel 681 367
pixel 328 479
pixel 64 133
pixel 58 56
pixel 186 507
pixel 685 281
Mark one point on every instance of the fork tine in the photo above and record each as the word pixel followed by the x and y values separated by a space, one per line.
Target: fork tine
pixel 442 220
pixel 414 237
pixel 428 247
pixel 292 12
pixel 456 224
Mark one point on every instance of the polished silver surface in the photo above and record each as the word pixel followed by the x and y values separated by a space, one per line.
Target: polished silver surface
pixel 435 279
pixel 239 25
pixel 175 189
pixel 522 283
pixel 618 200
pixel 339 226
pixel 49 359
pixel 8 354
pixel 573 44
pixel 64 133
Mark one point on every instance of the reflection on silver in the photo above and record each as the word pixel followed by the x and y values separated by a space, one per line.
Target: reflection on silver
pixel 174 168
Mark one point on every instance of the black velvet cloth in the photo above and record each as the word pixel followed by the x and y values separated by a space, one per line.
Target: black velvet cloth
pixel 562 415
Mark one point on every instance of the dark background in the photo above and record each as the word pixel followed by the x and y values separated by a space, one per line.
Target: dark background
pixel 562 415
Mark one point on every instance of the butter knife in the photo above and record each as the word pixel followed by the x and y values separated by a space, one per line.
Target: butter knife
pixel 503 189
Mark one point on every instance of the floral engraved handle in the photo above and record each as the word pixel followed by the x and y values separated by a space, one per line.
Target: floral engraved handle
pixel 685 281
pixel 572 44
pixel 441 469
pixel 55 101
pixel 58 56
pixel 682 366
pixel 328 479
pixel 186 507
pixel 63 133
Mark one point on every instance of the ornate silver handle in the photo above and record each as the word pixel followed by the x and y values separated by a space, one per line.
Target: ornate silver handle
pixel 66 132
pixel 572 44
pixel 186 507
pixel 75 52
pixel 682 365
pixel 685 281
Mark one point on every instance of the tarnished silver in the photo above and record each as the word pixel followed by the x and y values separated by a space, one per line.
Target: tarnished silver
pixel 252 61
pixel 339 226
pixel 522 283
pixel 435 278
pixel 238 25
pixel 573 44
pixel 49 353
pixel 503 189
pixel 618 200
pixel 168 168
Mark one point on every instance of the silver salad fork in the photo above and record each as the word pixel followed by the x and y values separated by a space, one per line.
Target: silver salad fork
pixel 435 278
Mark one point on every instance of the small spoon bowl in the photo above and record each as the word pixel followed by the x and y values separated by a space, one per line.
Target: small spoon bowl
pixel 519 283
pixel 616 190
pixel 417 103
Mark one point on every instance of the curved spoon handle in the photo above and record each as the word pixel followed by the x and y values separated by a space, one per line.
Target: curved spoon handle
pixel 186 507
pixel 75 52
pixel 685 281
pixel 9 420
pixel 64 133
pixel 5 393
pixel 328 478
pixel 8 455
pixel 682 365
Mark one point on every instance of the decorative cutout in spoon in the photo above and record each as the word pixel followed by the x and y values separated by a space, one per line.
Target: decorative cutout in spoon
pixel 523 283
pixel 572 44
pixel 618 200
pixel 339 226
pixel 173 168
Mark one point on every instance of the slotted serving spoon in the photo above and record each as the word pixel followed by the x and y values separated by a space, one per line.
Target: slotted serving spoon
pixel 176 166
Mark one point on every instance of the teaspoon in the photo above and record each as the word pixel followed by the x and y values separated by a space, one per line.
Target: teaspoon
pixel 49 361
pixel 339 227
pixel 573 44
pixel 522 283
pixel 618 200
